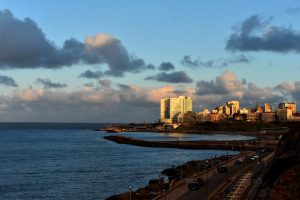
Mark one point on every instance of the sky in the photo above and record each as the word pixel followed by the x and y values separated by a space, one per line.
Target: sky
pixel 112 61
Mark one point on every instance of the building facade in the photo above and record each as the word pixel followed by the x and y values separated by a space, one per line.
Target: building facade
pixel 171 108
pixel 233 106
pixel 286 111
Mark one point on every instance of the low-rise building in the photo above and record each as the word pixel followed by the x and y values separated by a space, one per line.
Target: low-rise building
pixel 240 117
pixel 254 117
pixel 268 116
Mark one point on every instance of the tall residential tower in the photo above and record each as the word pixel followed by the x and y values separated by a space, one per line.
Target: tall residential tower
pixel 170 108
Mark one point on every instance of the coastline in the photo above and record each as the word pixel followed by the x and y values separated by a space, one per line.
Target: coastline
pixel 217 145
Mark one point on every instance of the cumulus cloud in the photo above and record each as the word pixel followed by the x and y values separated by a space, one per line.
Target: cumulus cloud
pixel 91 74
pixel 174 77
pixel 105 83
pixel 49 84
pixel 129 103
pixel 228 87
pixel 291 91
pixel 215 63
pixel 226 83
pixel 24 45
pixel 255 34
pixel 8 81
pixel 132 103
pixel 166 66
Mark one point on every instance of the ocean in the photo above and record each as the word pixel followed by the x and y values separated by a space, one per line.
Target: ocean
pixel 72 161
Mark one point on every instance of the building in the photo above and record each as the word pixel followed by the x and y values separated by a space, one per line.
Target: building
pixel 215 117
pixel 254 117
pixel 268 116
pixel 233 106
pixel 187 117
pixel 226 110
pixel 267 108
pixel 171 108
pixel 288 106
pixel 286 111
pixel 202 116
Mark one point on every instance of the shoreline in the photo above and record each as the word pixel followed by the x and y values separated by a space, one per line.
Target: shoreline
pixel 216 145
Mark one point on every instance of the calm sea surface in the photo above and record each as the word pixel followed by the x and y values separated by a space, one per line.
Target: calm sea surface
pixel 71 161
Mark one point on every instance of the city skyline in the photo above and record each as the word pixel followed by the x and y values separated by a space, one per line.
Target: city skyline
pixel 112 61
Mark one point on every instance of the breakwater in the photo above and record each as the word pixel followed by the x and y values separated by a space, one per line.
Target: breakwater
pixel 217 145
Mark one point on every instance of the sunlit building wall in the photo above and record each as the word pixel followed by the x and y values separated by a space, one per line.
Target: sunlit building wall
pixel 171 108
pixel 234 106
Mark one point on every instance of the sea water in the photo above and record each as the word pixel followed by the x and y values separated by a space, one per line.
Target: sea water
pixel 72 161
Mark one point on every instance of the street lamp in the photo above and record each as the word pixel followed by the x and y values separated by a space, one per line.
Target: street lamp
pixel 180 172
pixel 130 189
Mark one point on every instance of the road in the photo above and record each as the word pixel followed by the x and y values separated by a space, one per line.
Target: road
pixel 212 178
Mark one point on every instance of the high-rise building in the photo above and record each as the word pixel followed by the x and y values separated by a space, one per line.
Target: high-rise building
pixel 170 108
pixel 234 106
pixel 285 111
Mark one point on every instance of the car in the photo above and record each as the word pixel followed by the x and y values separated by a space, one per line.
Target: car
pixel 238 162
pixel 249 158
pixel 200 181
pixel 256 156
pixel 194 185
pixel 222 169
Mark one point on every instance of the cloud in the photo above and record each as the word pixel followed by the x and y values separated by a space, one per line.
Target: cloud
pixel 105 83
pixel 174 77
pixel 24 45
pixel 49 84
pixel 90 74
pixel 226 83
pixel 8 81
pixel 290 91
pixel 129 103
pixel 228 87
pixel 293 11
pixel 166 66
pixel 132 103
pixel 255 34
pixel 215 63
pixel 88 85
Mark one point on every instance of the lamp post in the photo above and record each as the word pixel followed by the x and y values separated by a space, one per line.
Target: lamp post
pixel 180 172
pixel 130 189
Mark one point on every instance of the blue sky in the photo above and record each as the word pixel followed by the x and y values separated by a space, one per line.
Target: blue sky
pixel 155 32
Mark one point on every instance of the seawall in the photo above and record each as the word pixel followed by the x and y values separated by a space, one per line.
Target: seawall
pixel 218 145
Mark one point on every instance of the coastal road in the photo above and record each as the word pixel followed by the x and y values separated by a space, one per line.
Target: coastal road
pixel 212 178
pixel 213 183
pixel 217 181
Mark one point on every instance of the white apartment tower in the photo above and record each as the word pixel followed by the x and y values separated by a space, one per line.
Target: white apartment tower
pixel 170 108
